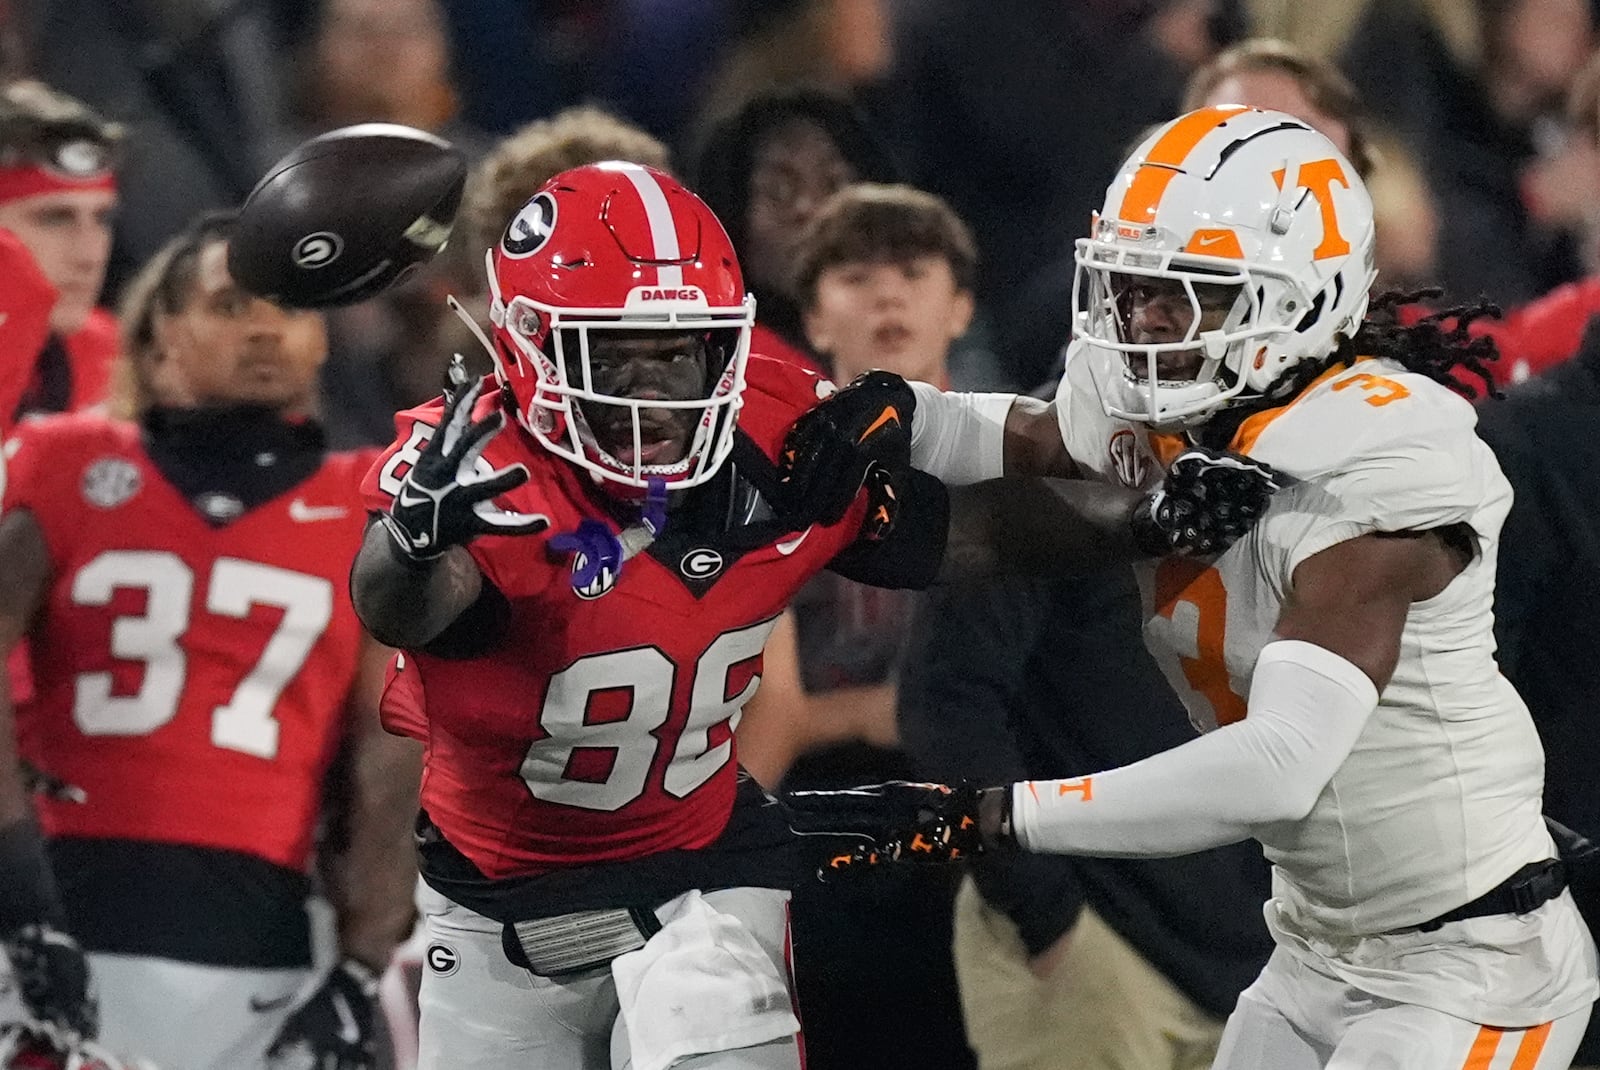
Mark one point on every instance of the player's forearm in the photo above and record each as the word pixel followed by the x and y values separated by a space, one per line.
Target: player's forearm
pixel 1308 706
pixel 406 603
pixel 963 438
pixel 1039 527
pixel 371 882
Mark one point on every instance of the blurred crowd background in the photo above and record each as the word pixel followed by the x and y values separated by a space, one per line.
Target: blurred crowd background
pixel 1475 122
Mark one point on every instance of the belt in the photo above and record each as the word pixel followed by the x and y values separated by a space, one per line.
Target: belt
pixel 1525 891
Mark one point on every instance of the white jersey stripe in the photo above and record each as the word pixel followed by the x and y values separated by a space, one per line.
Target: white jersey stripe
pixel 663 231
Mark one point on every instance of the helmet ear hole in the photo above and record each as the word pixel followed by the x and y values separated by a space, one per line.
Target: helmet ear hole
pixel 1312 314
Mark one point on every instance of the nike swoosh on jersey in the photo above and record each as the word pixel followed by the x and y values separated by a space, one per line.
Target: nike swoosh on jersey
pixel 301 513
pixel 890 415
pixel 789 546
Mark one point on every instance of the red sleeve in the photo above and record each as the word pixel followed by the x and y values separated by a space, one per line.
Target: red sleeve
pixel 403 707
pixel 1542 333
pixel 26 299
pixel 40 473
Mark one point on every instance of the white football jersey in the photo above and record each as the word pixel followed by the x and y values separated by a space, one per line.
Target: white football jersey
pixel 1440 799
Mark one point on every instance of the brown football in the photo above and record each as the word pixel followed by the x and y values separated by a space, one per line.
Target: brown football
pixel 346 214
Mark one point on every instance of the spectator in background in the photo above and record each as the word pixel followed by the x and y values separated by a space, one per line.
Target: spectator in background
pixel 383 61
pixel 657 57
pixel 1546 436
pixel 1016 119
pixel 1274 74
pixel 58 194
pixel 1562 190
pixel 203 750
pixel 1478 89
pixel 390 353
pixel 201 89
pixel 765 170
pixel 884 278
pixel 18 28
pixel 838 44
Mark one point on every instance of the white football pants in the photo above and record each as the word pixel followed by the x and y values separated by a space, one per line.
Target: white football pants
pixel 1297 1018
pixel 726 955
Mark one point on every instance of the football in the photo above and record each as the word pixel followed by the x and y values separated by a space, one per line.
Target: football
pixel 346 214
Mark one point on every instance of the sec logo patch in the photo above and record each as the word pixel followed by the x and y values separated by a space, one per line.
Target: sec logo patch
pixel 109 482
pixel 442 959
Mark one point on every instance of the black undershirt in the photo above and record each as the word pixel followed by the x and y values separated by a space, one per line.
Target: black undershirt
pixel 228 460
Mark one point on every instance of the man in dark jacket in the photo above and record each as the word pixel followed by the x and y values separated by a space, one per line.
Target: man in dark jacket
pixel 1546 434
pixel 1097 964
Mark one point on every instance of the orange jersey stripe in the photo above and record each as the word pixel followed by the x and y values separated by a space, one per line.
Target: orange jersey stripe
pixel 1483 1048
pixel 1164 159
pixel 1245 437
pixel 1532 1044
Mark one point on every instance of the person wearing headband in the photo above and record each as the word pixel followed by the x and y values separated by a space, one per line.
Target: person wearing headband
pixel 58 193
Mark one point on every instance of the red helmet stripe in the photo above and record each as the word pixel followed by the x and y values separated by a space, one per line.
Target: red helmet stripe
pixel 663 228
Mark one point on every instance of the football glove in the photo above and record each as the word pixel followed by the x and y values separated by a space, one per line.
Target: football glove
pixel 334 1029
pixel 858 436
pixel 443 501
pixel 1208 500
pixel 899 821
pixel 53 976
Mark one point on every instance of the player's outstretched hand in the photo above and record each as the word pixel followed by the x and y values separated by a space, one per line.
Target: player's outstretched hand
pixel 444 501
pixel 898 821
pixel 1208 500
pixel 830 450
pixel 334 1028
pixel 53 976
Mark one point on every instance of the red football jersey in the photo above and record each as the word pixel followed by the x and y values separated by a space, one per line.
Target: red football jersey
pixel 191 679
pixel 601 727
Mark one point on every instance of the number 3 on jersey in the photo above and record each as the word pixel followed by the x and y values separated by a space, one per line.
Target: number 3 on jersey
pixel 602 715
pixel 243 723
pixel 1190 595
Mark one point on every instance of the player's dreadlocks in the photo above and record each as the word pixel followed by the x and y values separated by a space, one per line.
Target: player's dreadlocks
pixel 1439 345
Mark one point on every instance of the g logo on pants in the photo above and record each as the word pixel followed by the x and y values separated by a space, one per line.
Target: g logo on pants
pixel 442 959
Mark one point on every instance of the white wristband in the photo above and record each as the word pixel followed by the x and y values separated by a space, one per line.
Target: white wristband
pixel 959 438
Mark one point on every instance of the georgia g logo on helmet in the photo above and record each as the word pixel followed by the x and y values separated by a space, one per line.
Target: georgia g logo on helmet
pixel 531 228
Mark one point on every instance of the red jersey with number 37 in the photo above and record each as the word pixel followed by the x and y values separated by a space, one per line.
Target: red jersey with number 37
pixel 190 678
pixel 600 727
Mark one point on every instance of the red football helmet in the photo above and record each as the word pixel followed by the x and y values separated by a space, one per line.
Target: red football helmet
pixel 41 1046
pixel 618 247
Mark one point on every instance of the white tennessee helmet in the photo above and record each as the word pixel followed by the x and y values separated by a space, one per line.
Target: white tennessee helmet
pixel 1261 224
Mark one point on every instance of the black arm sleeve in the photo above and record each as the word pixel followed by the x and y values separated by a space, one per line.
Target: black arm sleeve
pixel 972 649
pixel 911 555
